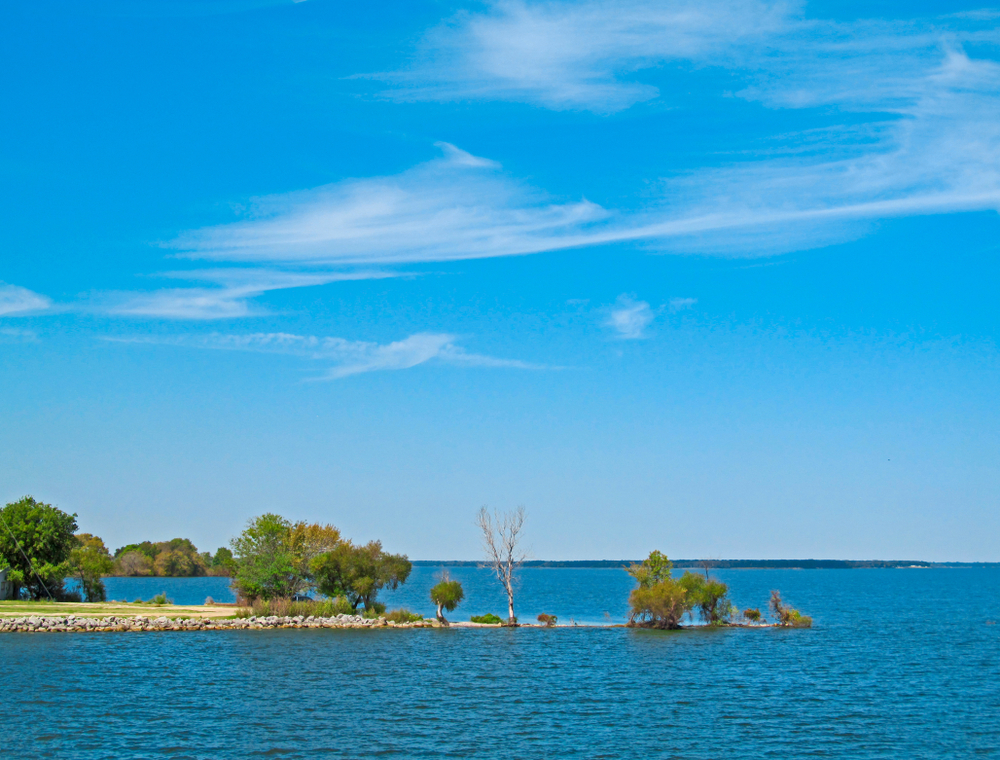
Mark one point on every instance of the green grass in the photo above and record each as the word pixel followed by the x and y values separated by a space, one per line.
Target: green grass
pixel 487 619
pixel 46 608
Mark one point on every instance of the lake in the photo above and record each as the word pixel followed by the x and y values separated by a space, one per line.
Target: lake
pixel 900 664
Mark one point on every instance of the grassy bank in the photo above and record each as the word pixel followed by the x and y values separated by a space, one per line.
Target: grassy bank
pixel 14 609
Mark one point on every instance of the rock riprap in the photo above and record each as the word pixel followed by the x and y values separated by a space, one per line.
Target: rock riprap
pixel 73 624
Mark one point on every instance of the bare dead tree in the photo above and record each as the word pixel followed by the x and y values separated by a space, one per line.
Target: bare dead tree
pixel 501 536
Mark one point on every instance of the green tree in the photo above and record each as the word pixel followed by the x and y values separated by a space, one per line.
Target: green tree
pixel 659 601
pixel 358 573
pixel 146 549
pixel 36 540
pixel 711 597
pixel 178 558
pixel 222 562
pixel 446 595
pixel 133 563
pixel 306 542
pixel 176 563
pixel 654 569
pixel 91 561
pixel 264 566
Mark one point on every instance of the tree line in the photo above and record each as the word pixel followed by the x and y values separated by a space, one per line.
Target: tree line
pixel 177 558
pixel 41 549
pixel 274 558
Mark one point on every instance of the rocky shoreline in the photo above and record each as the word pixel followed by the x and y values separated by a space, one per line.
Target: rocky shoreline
pixel 74 624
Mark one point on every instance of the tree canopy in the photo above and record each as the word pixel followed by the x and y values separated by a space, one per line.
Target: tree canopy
pixel 264 565
pixel 90 560
pixel 36 540
pixel 660 601
pixel 272 558
pixel 446 595
pixel 358 573
pixel 178 557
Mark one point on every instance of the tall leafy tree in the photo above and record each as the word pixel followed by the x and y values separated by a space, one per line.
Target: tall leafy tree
pixel 358 573
pixel 222 562
pixel 36 540
pixel 306 542
pixel 91 561
pixel 264 566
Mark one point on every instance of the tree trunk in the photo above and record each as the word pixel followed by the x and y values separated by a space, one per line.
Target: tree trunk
pixel 510 605
pixel 440 616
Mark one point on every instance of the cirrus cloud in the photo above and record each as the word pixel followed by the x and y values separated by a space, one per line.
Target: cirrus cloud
pixel 17 300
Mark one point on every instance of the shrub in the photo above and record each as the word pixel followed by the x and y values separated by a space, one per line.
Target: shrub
pixel 288 608
pixel 752 614
pixel 403 615
pixel 795 619
pixel 659 606
pixel 788 616
pixel 488 619
pixel 159 599
pixel 209 600
pixel 446 595
pixel 547 620
pixel 370 613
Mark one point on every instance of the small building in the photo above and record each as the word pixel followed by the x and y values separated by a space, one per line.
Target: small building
pixel 6 587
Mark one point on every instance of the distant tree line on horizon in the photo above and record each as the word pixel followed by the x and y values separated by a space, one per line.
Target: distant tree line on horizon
pixel 177 558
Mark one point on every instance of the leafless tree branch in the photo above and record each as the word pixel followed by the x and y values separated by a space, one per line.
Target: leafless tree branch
pixel 502 533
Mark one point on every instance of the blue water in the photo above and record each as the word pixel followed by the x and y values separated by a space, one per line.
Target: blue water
pixel 900 664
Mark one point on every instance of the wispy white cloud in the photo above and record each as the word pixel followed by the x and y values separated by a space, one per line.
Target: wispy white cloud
pixel 629 318
pixel 459 206
pixel 344 357
pixel 933 145
pixel 589 54
pixel 18 300
pixel 580 55
pixel 681 304
pixel 232 295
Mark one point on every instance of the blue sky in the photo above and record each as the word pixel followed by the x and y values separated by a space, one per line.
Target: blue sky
pixel 717 278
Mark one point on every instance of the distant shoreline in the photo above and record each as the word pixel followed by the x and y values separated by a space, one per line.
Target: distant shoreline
pixel 735 564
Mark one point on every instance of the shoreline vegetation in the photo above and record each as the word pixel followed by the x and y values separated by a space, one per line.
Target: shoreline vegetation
pixel 277 566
